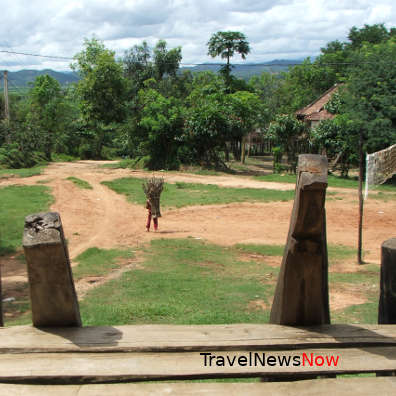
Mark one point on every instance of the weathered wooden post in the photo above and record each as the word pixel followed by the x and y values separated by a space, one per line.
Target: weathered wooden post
pixel 52 293
pixel 1 303
pixel 301 295
pixel 387 300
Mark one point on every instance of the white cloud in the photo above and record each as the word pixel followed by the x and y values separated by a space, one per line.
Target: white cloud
pixel 275 29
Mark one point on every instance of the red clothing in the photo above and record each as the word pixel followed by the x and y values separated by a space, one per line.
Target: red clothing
pixel 155 219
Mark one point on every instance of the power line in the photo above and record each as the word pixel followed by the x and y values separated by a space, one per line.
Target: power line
pixel 36 55
pixel 266 64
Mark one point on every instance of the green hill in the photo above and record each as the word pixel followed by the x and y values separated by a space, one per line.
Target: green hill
pixel 22 78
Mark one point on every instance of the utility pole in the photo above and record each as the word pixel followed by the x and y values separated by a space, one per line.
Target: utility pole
pixel 360 226
pixel 6 107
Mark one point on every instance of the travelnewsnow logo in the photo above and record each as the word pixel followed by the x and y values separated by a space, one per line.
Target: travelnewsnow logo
pixel 254 359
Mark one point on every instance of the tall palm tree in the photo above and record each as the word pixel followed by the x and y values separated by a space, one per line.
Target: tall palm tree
pixel 225 44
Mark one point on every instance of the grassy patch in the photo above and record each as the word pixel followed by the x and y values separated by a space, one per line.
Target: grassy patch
pixel 16 202
pixel 97 262
pixel 80 183
pixel 185 194
pixel 23 172
pixel 333 181
pixel 183 281
pixel 264 250
pixel 362 313
pixel 340 252
pixel 61 157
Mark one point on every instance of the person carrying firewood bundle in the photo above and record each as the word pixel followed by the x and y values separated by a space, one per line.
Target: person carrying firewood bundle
pixel 153 188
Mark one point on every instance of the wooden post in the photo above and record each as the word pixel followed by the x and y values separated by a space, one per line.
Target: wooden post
pixel 387 300
pixel 301 295
pixel 52 293
pixel 1 303
pixel 6 107
pixel 360 192
pixel 243 149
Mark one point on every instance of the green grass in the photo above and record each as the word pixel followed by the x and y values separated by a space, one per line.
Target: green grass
pixel 98 262
pixel 60 157
pixel 185 194
pixel 188 281
pixel 123 164
pixel 340 252
pixel 23 172
pixel 264 250
pixel 16 202
pixel 80 183
pixel 333 181
pixel 183 281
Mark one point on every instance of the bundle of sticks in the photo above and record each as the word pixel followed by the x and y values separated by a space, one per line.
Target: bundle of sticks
pixel 153 188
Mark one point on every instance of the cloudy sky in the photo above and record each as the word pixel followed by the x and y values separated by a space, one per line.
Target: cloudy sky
pixel 285 29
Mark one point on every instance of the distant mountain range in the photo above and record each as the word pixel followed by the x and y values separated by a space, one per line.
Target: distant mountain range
pixel 22 78
pixel 248 70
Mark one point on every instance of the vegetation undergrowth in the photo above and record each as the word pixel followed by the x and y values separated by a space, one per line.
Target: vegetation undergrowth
pixel 22 172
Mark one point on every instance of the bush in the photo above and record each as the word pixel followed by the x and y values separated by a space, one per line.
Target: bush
pixel 12 156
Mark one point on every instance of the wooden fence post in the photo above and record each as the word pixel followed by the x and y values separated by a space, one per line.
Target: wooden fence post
pixel 301 295
pixel 387 300
pixel 52 293
pixel 1 304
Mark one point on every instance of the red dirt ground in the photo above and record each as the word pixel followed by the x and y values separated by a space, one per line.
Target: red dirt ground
pixel 103 218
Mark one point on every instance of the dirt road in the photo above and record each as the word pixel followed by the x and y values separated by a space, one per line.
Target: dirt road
pixel 104 219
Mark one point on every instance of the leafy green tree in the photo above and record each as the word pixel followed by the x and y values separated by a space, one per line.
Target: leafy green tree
pixel 166 62
pixel 267 87
pixel 45 110
pixel 370 96
pixel 286 132
pixel 157 134
pixel 245 113
pixel 138 66
pixel 225 44
pixel 102 92
pixel 373 34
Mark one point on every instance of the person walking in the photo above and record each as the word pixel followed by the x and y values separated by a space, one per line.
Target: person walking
pixel 155 219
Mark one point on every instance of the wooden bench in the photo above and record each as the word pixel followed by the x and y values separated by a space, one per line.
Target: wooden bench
pixel 63 358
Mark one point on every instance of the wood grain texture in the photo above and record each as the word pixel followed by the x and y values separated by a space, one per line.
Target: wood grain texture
pixel 387 301
pixel 339 387
pixel 301 296
pixel 52 293
pixel 151 338
pixel 134 366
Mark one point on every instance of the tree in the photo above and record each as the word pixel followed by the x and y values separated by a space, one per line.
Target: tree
pixel 157 133
pixel 166 62
pixel 286 131
pixel 373 34
pixel 225 44
pixel 101 91
pixel 45 110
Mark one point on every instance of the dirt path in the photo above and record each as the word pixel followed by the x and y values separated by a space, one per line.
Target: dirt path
pixel 103 218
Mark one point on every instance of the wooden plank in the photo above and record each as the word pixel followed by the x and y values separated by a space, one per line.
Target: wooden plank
pixel 339 387
pixel 151 338
pixel 104 367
